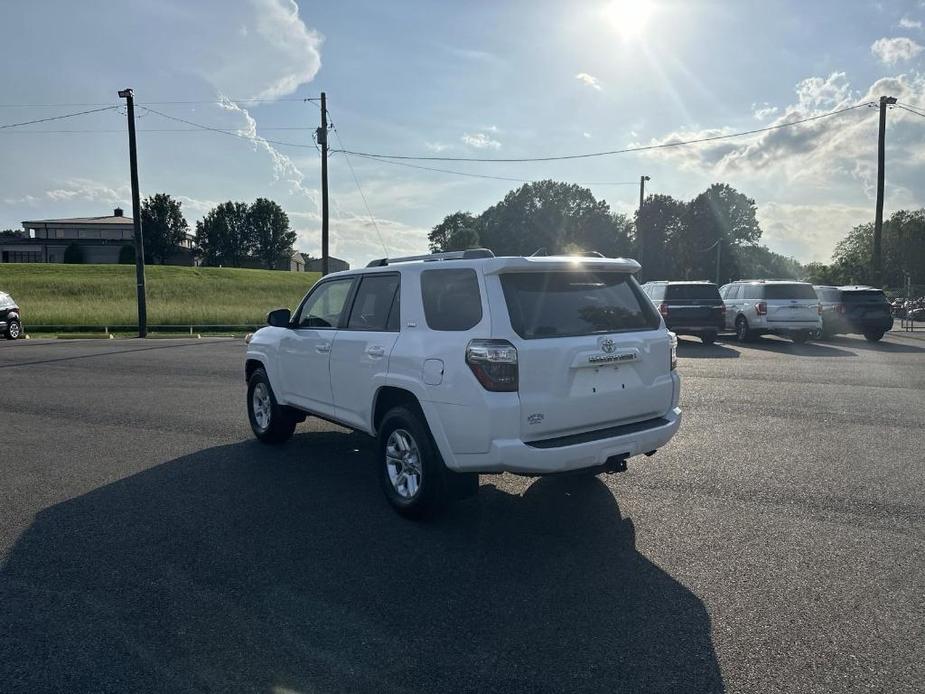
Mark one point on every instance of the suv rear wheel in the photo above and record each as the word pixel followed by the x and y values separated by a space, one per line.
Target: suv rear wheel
pixel 743 334
pixel 13 330
pixel 801 337
pixel 708 338
pixel 413 476
pixel 873 335
pixel 270 422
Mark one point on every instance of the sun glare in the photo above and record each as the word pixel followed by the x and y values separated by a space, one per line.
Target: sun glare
pixel 629 17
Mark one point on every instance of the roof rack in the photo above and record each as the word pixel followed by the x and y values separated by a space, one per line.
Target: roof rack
pixel 469 254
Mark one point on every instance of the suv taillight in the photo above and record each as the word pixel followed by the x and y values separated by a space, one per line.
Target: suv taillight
pixel 761 308
pixel 663 309
pixel 673 359
pixel 494 364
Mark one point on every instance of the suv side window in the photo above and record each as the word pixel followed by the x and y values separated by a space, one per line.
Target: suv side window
pixel 751 291
pixel 373 303
pixel 658 292
pixel 324 306
pixel 733 291
pixel 452 300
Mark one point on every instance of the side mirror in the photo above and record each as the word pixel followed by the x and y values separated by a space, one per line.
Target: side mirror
pixel 279 318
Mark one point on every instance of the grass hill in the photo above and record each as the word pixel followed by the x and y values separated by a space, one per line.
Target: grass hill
pixel 81 295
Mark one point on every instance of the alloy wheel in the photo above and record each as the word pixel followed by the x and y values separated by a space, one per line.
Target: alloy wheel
pixel 403 463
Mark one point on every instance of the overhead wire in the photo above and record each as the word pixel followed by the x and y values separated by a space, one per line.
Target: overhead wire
pixel 360 189
pixel 625 150
pixel 59 117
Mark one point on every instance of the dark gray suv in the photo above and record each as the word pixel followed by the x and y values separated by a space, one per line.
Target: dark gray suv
pixel 10 318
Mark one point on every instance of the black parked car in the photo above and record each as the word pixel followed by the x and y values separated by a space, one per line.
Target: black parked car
pixel 689 308
pixel 10 317
pixel 862 310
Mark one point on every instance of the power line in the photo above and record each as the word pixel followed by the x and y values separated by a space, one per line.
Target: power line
pixel 233 133
pixel 910 110
pixel 494 178
pixel 140 130
pixel 165 103
pixel 626 150
pixel 61 117
pixel 360 190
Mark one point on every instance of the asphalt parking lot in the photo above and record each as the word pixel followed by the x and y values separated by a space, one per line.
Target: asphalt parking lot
pixel 149 544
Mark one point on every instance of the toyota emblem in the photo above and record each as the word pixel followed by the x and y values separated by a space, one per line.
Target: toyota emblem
pixel 608 345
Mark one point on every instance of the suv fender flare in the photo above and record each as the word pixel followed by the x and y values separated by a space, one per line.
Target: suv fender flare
pixel 431 417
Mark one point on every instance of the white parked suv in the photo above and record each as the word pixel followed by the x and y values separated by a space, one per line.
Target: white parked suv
pixel 463 363
pixel 781 307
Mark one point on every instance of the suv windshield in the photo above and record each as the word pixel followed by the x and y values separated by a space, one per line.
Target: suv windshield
pixel 559 304
pixel 693 291
pixel 867 297
pixel 789 291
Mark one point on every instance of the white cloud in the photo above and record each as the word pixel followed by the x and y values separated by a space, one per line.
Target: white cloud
pixel 892 51
pixel 907 23
pixel 763 111
pixel 589 80
pixel 272 56
pixel 480 141
pixel 809 232
pixel 88 190
pixel 587 136
pixel 436 147
pixel 283 167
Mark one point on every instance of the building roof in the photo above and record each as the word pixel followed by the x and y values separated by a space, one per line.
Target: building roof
pixel 109 219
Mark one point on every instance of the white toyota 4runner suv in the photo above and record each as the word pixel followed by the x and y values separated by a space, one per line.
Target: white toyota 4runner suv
pixel 463 363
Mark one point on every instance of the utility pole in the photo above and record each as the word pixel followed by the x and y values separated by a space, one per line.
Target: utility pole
pixel 639 236
pixel 877 257
pixel 129 97
pixel 323 143
pixel 718 250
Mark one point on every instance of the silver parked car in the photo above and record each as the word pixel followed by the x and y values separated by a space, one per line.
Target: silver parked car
pixel 779 307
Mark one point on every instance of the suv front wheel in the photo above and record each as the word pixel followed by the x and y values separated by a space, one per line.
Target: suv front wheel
pixel 270 422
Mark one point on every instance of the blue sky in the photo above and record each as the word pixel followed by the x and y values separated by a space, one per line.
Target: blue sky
pixel 493 79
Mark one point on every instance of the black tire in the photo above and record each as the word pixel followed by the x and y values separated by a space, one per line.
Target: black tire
pixel 800 338
pixel 427 484
pixel 281 423
pixel 708 338
pixel 874 335
pixel 13 330
pixel 743 334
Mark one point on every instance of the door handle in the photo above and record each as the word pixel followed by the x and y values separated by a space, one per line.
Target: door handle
pixel 323 348
pixel 376 351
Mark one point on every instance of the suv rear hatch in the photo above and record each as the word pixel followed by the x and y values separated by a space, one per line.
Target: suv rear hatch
pixel 866 305
pixel 791 302
pixel 693 304
pixel 590 352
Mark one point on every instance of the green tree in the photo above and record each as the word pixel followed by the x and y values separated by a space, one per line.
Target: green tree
pixel 269 228
pixel 163 226
pixel 73 254
pixel 760 261
pixel 820 273
pixel 660 218
pixel 557 217
pixel 10 233
pixel 457 232
pixel 224 236
pixel 851 257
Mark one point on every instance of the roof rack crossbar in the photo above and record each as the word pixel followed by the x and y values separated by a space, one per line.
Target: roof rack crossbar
pixel 469 254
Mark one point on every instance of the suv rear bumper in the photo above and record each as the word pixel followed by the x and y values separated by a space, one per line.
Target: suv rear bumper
pixel 570 453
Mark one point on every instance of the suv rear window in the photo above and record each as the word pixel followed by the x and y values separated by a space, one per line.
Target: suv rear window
pixel 693 291
pixel 789 291
pixel 865 296
pixel 559 304
pixel 451 299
